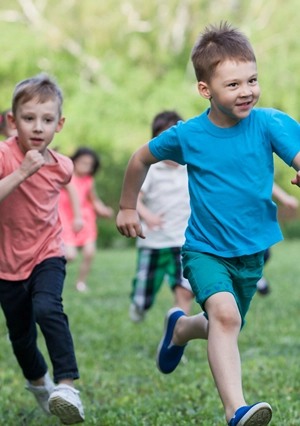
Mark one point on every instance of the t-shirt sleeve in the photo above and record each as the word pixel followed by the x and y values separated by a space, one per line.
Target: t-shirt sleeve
pixel 66 169
pixel 167 146
pixel 284 135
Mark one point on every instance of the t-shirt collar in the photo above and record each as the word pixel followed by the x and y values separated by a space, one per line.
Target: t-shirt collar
pixel 223 132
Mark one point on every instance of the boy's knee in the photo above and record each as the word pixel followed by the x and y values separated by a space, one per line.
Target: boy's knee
pixel 44 311
pixel 228 317
pixel 224 312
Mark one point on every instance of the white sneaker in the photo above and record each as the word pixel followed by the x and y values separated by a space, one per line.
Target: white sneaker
pixel 65 403
pixel 136 314
pixel 42 393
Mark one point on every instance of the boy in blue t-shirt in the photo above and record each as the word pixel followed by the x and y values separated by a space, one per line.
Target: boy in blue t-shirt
pixel 228 151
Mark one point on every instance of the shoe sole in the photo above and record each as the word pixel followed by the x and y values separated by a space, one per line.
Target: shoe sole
pixel 170 312
pixel 65 411
pixel 261 417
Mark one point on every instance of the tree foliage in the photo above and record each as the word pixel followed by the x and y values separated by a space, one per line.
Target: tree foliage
pixel 120 62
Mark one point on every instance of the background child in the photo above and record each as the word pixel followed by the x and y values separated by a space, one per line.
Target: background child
pixel 86 164
pixel 32 263
pixel 163 205
pixel 229 155
pixel 263 286
pixel 6 129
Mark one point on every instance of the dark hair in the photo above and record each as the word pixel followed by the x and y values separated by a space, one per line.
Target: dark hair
pixel 3 122
pixel 41 86
pixel 163 121
pixel 216 45
pixel 91 153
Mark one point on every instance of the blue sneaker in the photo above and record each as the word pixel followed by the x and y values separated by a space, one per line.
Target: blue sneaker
pixel 258 414
pixel 169 355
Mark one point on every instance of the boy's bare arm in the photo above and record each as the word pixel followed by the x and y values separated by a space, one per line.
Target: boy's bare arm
pixel 128 222
pixel 32 162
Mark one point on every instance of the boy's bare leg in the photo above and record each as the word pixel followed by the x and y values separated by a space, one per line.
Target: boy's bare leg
pixel 223 352
pixel 183 299
pixel 222 332
pixel 189 328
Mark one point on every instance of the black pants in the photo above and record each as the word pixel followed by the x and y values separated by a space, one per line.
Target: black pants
pixel 38 300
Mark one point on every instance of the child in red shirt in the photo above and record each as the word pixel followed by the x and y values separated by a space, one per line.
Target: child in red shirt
pixel 86 164
pixel 32 263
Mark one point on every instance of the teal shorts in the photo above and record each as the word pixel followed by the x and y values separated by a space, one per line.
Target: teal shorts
pixel 209 274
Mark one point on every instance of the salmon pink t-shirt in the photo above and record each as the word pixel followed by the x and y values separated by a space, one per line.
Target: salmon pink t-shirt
pixel 30 227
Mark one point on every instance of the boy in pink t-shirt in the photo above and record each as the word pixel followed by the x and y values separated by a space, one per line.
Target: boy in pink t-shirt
pixel 32 263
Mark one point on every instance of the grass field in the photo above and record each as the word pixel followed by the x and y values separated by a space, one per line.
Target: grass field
pixel 120 384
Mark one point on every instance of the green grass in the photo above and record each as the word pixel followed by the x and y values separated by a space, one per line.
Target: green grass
pixel 120 384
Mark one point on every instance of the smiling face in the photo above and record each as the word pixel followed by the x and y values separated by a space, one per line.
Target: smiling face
pixel 36 124
pixel 233 91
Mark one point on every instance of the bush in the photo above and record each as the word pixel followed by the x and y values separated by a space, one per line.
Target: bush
pixel 291 229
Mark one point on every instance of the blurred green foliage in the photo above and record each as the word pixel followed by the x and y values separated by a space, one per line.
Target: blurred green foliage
pixel 121 62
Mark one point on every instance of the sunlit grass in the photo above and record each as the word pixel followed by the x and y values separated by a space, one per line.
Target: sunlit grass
pixel 119 382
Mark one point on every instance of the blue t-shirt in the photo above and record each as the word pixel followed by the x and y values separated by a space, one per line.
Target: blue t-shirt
pixel 231 175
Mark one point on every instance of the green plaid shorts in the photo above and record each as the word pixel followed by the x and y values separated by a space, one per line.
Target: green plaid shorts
pixel 153 266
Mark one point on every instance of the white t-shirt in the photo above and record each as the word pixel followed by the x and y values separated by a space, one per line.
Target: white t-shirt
pixel 165 191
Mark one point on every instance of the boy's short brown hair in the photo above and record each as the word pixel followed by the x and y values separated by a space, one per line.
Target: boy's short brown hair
pixel 216 45
pixel 41 87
